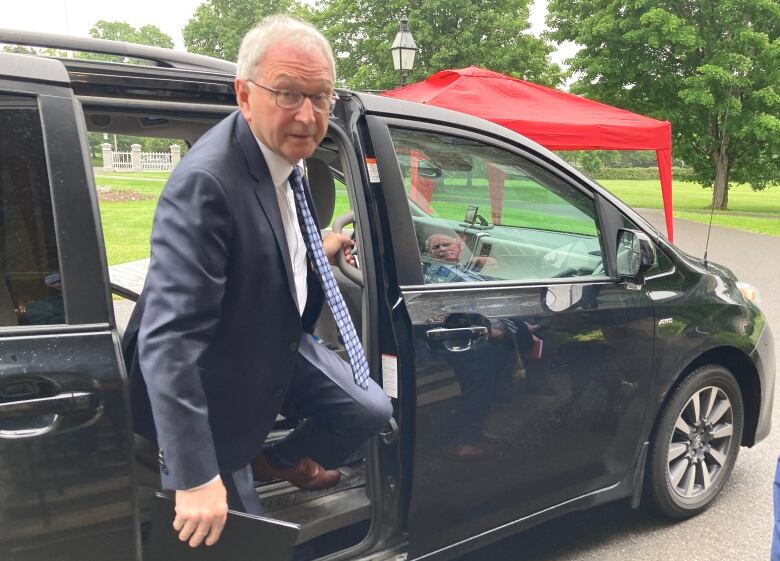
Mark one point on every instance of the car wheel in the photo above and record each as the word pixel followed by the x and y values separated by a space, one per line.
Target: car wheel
pixel 696 442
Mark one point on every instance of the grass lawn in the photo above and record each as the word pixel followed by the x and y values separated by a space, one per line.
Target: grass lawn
pixel 753 211
pixel 126 229
pixel 127 223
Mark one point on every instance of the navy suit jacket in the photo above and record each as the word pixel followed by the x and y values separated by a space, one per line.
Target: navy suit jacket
pixel 211 344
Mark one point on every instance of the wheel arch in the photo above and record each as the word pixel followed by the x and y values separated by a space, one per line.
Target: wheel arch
pixel 743 369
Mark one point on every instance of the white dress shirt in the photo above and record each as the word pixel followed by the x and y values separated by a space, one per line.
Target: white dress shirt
pixel 280 172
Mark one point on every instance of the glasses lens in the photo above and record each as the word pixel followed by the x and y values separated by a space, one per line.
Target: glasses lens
pixel 323 103
pixel 288 99
pixel 320 102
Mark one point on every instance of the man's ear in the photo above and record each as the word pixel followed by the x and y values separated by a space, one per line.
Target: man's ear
pixel 242 98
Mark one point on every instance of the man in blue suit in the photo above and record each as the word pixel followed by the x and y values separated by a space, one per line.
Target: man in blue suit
pixel 223 323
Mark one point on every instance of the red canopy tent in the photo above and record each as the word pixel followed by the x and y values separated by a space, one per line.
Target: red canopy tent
pixel 554 119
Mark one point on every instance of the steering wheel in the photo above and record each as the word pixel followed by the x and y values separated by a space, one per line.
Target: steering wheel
pixel 349 271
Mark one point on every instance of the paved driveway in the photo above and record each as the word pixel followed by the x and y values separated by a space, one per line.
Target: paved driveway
pixel 738 526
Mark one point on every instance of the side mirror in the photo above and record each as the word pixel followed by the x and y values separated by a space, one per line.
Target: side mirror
pixel 635 255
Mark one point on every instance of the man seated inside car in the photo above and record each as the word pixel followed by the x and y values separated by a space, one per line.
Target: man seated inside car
pixel 453 250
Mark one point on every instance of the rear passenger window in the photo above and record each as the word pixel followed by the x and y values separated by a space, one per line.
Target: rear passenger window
pixel 30 290
pixel 483 214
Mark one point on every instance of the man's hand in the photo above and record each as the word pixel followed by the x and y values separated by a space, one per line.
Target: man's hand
pixel 201 513
pixel 333 243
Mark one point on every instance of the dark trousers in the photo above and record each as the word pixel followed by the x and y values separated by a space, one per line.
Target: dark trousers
pixel 241 494
pixel 334 416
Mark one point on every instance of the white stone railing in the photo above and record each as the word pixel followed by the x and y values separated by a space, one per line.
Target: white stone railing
pixel 137 161
pixel 120 161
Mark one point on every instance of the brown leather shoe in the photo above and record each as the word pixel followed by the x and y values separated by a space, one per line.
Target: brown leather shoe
pixel 306 474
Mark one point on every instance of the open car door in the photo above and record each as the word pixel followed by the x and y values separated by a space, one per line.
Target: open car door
pixel 65 440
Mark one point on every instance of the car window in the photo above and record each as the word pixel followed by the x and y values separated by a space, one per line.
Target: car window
pixel 483 214
pixel 30 289
pixel 342 203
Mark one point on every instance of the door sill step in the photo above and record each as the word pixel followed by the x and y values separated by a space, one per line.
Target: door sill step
pixel 318 512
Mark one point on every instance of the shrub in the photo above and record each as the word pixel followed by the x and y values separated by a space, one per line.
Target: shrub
pixel 679 174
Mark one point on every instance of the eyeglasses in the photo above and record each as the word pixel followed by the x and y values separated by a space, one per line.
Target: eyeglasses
pixel 290 99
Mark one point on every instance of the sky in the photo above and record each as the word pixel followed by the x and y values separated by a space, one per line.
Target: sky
pixel 75 17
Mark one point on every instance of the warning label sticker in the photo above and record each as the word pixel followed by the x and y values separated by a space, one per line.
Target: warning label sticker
pixel 390 375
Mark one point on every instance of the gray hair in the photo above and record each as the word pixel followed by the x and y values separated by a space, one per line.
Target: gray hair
pixel 277 29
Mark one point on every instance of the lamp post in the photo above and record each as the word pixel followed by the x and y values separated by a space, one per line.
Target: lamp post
pixel 404 49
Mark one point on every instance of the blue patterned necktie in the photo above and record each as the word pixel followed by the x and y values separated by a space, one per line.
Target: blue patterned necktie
pixel 311 234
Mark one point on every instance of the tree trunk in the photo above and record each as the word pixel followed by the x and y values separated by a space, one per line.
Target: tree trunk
pixel 720 192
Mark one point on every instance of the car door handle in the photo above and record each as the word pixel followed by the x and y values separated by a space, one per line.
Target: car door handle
pixel 458 339
pixel 60 404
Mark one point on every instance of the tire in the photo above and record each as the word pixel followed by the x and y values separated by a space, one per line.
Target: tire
pixel 687 442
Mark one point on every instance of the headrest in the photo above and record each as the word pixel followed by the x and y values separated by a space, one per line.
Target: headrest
pixel 323 190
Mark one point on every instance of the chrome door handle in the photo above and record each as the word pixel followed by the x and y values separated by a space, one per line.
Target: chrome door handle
pixel 458 339
pixel 389 434
pixel 60 404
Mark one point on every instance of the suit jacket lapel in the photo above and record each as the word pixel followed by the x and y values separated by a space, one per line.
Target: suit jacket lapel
pixel 266 194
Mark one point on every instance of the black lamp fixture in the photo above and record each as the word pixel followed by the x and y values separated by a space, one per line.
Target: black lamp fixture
pixel 404 50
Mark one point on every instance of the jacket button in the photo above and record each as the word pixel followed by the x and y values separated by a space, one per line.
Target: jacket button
pixel 293 347
pixel 161 461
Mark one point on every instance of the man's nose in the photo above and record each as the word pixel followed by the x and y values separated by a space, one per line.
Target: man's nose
pixel 305 113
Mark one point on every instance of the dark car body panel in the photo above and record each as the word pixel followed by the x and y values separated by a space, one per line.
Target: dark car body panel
pixel 67 493
pixel 569 430
pixel 702 313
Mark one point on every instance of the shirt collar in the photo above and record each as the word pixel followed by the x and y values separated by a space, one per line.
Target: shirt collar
pixel 279 168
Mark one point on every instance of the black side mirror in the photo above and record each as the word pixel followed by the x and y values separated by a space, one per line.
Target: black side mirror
pixel 635 255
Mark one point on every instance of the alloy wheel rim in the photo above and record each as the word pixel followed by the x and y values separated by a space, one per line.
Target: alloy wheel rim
pixel 700 442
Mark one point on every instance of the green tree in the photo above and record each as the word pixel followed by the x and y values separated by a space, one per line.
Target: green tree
pixel 123 31
pixel 711 67
pixel 18 49
pixel 450 34
pixel 217 27
pixel 151 144
pixel 591 162
pixel 153 35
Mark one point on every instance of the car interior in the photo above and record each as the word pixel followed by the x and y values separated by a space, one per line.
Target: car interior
pixel 30 295
pixel 517 246
pixel 330 519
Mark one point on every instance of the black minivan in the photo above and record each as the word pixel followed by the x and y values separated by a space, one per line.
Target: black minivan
pixel 545 348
